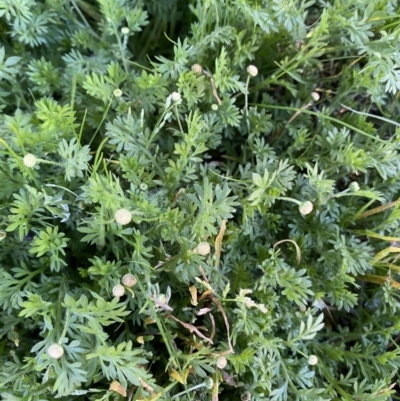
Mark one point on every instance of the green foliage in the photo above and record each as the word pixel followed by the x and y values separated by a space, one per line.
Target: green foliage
pixel 257 209
pixel 75 158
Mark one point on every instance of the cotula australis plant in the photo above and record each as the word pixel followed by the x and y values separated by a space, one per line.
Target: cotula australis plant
pixel 199 200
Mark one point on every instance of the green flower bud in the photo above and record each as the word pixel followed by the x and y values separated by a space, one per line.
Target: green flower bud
pixel 117 92
pixel 209 383
pixel 354 187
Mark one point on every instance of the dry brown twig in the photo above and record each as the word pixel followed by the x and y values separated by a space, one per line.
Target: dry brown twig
pixel 221 309
pixel 213 87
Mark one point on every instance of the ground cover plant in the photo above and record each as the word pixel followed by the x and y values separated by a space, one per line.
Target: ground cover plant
pixel 198 200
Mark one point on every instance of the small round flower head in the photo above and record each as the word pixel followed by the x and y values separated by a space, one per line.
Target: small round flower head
pixel 354 187
pixel 306 207
pixel 214 107
pixel 123 216
pixel 246 396
pixel 30 160
pixel 221 362
pixel 312 360
pixel 209 383
pixel 118 290
pixel 252 70
pixel 315 96
pixel 143 186
pixel 125 30
pixel 129 280
pixel 203 248
pixel 176 96
pixel 197 68
pixel 117 92
pixel 55 351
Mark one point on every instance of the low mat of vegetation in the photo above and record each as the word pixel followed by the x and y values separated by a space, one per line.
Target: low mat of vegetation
pixel 198 200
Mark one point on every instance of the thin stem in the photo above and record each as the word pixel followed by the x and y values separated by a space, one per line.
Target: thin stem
pixel 246 112
pixel 161 328
pixel 61 187
pixel 332 381
pixel 323 116
pixel 157 125
pixel 177 117
pixel 78 10
pixel 288 199
pixel 139 65
pixel 121 48
pixel 30 276
pixel 98 156
pixel 82 125
pixel 49 162
pixel 189 389
pixel 291 384
pixel 246 96
pixel 67 317
pixel 102 120
pixel 73 94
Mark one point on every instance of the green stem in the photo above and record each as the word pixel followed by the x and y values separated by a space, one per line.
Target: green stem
pixel 73 94
pixel 177 117
pixel 66 324
pixel 189 389
pixel 49 162
pixel 163 332
pixel 121 48
pixel 246 96
pixel 82 125
pixel 291 384
pixel 102 120
pixel 288 199
pixel 159 120
pixel 323 116
pixel 332 381
pixel 30 276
